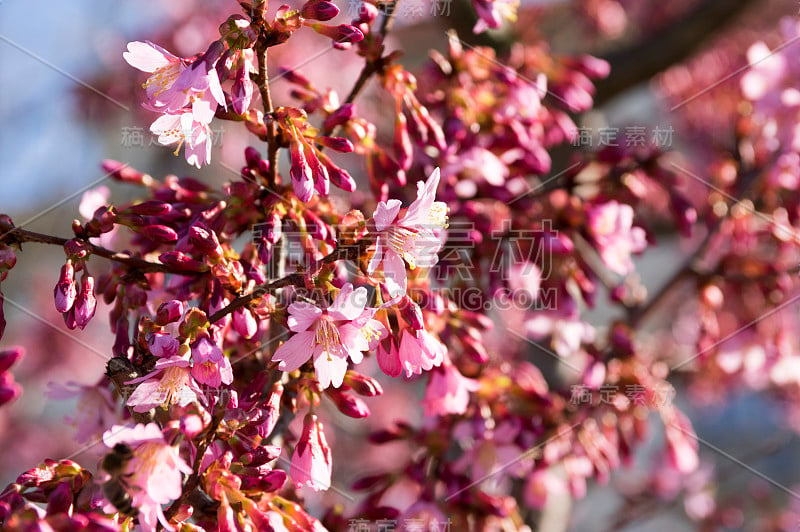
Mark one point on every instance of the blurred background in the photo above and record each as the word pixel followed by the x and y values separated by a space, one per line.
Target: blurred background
pixel 68 101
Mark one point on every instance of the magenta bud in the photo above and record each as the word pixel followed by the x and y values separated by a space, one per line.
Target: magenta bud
pixel 343 33
pixel 191 425
pixel 271 411
pixel 8 357
pixel 86 304
pixel 293 77
pixel 126 174
pixel 300 172
pixel 363 385
pixel 65 291
pixel 339 177
pixel 474 348
pixel 274 228
pixel 182 262
pixel 319 10
pixel 159 233
pixel 69 319
pixel 368 13
pixel 252 156
pixel 336 143
pixel 76 249
pixel 170 311
pixel 402 142
pixel 242 91
pixel 205 240
pixel 245 323
pixel 348 404
pixel 339 116
pixel 7 258
pixel 261 455
pixel 411 312
pixel 59 501
pixel 150 208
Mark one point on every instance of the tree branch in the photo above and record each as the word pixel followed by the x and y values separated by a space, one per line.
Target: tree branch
pixel 674 43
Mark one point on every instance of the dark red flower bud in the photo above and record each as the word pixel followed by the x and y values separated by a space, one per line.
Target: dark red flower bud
pixel 411 312
pixel 348 405
pixel 363 385
pixel 253 157
pixel 261 455
pixel 205 240
pixel 159 233
pixel 319 10
pixel 182 262
pixel 170 311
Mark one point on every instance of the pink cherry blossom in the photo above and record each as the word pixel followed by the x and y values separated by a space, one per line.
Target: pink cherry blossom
pixel 183 128
pixel 169 383
pixel 420 351
pixel 164 66
pixel 311 461
pixel 448 391
pixel 413 238
pixel 153 475
pixel 163 345
pixel 611 227
pixel 330 335
pixel 210 366
pixel 95 410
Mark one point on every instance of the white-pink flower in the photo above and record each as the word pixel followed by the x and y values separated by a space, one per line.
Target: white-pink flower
pixel 448 391
pixel 311 461
pixel 169 383
pixel 184 128
pixel 420 351
pixel 330 335
pixel 153 475
pixel 611 227
pixel 210 365
pixel 414 237
pixel 163 65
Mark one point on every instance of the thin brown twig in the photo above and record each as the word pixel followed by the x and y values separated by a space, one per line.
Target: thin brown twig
pixel 19 235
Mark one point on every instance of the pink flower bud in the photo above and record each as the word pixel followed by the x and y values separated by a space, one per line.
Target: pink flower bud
pixel 242 91
pixel 205 240
pixel 339 116
pixel 347 404
pixel 163 345
pixel 274 228
pixel 271 411
pixel 126 174
pixel 339 177
pixel 170 311
pixel 319 10
pixel 191 425
pixel 363 385
pixel 9 390
pixel 65 291
pixel 9 357
pixel 86 303
pixel 336 143
pixel 245 323
pixel 343 33
pixel 389 358
pixel 402 142
pixel 300 171
pixel 367 14
pixel 2 315
pixel 159 233
pixel 253 157
pixel 181 261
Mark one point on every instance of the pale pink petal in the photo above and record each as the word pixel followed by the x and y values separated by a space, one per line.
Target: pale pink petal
pixel 330 369
pixel 147 57
pixel 295 351
pixel 394 271
pixel 349 303
pixel 385 213
pixel 302 315
pixel 376 259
